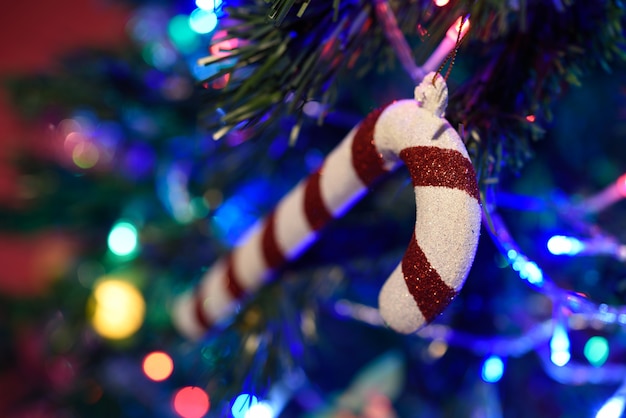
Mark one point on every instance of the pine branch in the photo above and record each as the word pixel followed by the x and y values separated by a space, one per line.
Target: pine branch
pixel 523 55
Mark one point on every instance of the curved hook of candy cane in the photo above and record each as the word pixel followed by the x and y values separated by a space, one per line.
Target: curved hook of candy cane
pixel 448 215
pixel 447 225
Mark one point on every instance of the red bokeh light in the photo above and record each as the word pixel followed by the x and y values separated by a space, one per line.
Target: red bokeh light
pixel 191 402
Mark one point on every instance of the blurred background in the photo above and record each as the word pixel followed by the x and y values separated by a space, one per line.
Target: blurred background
pixel 116 197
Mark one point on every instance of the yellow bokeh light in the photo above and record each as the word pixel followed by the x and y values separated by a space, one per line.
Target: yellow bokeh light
pixel 118 309
pixel 158 366
pixel 85 155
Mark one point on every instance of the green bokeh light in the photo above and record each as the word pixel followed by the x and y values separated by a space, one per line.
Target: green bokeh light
pixel 596 351
pixel 123 239
pixel 181 34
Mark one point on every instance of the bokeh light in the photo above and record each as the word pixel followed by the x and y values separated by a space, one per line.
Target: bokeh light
pixel 493 369
pixel 158 366
pixel 527 270
pixel 118 309
pixel 260 410
pixel 441 3
pixel 242 404
pixel 123 239
pixel 621 185
pixel 159 55
pixel 596 351
pixel 85 155
pixel 437 348
pixel 562 245
pixel 181 34
pixel 191 402
pixel 208 4
pixel 560 346
pixel 202 21
pixel 453 31
pixel 613 408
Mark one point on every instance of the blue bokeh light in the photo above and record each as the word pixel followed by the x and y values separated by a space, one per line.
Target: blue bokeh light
pixel 613 408
pixel 209 5
pixel 202 21
pixel 560 346
pixel 242 405
pixel 527 270
pixel 562 245
pixel 233 218
pixel 261 410
pixel 493 369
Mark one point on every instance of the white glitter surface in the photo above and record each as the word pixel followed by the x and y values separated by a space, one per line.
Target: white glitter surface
pixel 218 303
pixel 249 263
pixel 397 306
pixel 404 124
pixel 447 225
pixel 447 229
pixel 340 185
pixel 293 233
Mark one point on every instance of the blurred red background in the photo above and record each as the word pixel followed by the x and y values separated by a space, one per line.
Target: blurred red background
pixel 34 36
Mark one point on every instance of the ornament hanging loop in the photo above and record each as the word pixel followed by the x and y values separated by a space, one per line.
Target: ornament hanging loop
pixel 452 55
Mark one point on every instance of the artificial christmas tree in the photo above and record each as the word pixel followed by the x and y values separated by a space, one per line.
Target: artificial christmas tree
pixel 158 158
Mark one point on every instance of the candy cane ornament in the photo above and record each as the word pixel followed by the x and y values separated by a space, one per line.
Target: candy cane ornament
pixel 440 253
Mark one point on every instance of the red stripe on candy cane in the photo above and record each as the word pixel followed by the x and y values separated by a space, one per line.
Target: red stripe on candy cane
pixel 233 283
pixel 272 253
pixel 432 166
pixel 317 214
pixel 424 283
pixel 199 313
pixel 436 167
pixel 366 159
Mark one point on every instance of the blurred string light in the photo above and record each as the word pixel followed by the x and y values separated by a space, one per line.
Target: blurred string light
pixel 260 410
pixel 493 369
pixel 123 239
pixel 242 404
pixel 614 406
pixel 527 270
pixel 563 245
pixel 158 366
pixel 191 402
pixel 596 351
pixel 80 145
pixel 249 406
pixel 560 346
pixel 210 5
pixel 182 35
pixel 117 308
pixel 599 244
pixel 202 21
pixel 615 192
